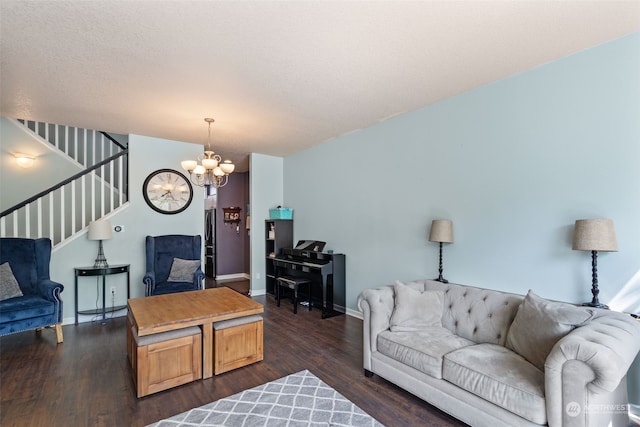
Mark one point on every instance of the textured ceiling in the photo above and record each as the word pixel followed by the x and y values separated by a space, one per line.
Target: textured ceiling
pixel 278 76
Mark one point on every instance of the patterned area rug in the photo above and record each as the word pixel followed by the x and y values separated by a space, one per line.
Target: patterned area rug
pixel 300 399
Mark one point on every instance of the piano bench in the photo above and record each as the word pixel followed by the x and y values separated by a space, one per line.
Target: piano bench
pixel 293 283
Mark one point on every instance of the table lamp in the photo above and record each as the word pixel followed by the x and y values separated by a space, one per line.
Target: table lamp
pixel 441 232
pixel 594 235
pixel 100 230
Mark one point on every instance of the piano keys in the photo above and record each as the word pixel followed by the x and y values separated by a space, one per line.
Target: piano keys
pixel 325 270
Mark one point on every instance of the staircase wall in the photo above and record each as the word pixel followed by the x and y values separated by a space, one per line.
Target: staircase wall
pixel 17 183
pixel 146 154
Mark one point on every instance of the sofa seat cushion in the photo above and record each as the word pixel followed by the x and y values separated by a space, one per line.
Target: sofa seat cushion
pixel 172 287
pixel 25 307
pixel 500 376
pixel 422 350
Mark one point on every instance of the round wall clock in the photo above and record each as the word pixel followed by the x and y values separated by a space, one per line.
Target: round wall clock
pixel 167 191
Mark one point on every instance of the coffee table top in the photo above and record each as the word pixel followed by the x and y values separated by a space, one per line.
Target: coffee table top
pixel 161 313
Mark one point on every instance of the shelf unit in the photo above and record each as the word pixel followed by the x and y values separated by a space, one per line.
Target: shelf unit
pixel 278 235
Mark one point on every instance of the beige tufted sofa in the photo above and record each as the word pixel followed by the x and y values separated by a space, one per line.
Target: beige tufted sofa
pixel 465 369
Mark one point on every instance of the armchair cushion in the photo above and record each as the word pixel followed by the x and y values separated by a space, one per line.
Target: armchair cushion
pixel 9 287
pixel 182 270
pixel 26 307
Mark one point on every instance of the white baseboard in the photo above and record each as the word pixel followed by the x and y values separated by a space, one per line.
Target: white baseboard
pixel 354 313
pixel 235 276
pixel 85 318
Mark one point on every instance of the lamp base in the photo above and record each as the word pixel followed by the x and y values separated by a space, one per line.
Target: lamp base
pixel 595 304
pixel 101 260
pixel 440 270
pixel 100 264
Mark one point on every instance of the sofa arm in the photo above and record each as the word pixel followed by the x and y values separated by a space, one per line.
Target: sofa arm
pixel 198 277
pixel 377 306
pixel 50 290
pixel 591 360
pixel 149 281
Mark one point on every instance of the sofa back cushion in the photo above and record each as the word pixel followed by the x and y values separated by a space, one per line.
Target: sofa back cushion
pixel 479 315
pixel 415 310
pixel 539 324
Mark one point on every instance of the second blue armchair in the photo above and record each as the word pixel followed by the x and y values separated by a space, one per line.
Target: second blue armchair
pixel 162 252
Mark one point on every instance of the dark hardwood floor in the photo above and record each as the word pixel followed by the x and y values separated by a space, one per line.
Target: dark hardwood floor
pixel 86 381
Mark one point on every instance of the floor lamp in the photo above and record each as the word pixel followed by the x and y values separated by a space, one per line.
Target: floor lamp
pixel 100 230
pixel 441 232
pixel 594 235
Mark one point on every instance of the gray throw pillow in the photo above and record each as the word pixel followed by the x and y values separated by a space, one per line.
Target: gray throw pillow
pixel 182 270
pixel 9 287
pixel 415 310
pixel 539 324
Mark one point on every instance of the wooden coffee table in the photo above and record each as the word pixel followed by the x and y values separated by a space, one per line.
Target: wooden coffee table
pixel 160 313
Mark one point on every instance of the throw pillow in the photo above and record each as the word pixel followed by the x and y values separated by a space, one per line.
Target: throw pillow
pixel 9 287
pixel 415 310
pixel 182 270
pixel 539 324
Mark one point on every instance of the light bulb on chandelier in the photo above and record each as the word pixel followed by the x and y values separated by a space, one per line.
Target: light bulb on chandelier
pixel 212 170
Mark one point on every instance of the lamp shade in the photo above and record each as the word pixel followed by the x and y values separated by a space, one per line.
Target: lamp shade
pixel 594 235
pixel 100 230
pixel 441 231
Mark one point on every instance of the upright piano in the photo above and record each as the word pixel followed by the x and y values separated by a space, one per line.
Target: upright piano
pixel 325 270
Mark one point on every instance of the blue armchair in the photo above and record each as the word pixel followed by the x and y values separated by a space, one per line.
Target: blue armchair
pixel 161 252
pixel 40 304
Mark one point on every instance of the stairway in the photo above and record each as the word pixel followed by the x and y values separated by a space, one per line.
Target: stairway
pixel 64 210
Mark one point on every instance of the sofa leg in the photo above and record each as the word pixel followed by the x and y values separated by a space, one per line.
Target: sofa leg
pixel 368 373
pixel 59 332
pixel 58 327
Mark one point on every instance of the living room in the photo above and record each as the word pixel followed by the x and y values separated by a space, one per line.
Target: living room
pixel 512 163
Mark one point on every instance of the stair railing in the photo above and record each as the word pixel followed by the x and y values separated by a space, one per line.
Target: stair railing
pixel 67 207
pixel 85 146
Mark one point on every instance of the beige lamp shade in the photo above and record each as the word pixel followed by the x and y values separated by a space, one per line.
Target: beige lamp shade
pixel 441 231
pixel 594 235
pixel 100 230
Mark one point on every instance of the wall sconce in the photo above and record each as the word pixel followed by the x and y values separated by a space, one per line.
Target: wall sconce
pixel 24 161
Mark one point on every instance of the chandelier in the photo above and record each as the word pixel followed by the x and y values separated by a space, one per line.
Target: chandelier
pixel 212 170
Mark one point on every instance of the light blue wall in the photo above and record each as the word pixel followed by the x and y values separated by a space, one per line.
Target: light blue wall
pixel 146 154
pixel 512 164
pixel 265 192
